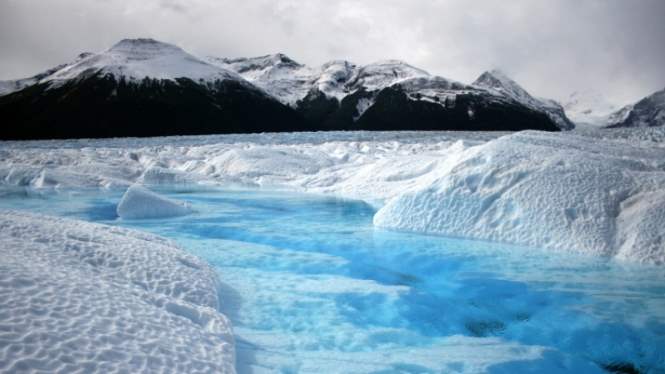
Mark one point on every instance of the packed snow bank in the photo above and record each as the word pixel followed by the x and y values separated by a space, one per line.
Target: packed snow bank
pixel 140 203
pixel 76 296
pixel 559 192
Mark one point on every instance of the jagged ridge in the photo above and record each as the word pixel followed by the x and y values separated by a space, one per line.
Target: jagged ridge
pixel 143 87
pixel 648 112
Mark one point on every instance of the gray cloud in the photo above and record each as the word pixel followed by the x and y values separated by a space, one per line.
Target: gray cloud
pixel 550 47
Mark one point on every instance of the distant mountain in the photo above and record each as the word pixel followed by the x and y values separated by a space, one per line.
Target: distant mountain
pixel 283 78
pixel 143 87
pixel 392 95
pixel 648 112
pixel 139 87
pixel 589 107
pixel 498 82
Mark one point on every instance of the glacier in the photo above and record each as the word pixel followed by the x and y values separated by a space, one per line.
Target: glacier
pixel 559 193
pixel 582 191
pixel 346 298
pixel 597 193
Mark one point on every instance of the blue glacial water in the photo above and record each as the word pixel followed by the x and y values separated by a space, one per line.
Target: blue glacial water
pixel 311 286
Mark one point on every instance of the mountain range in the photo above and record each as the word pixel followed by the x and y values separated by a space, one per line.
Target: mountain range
pixel 143 87
pixel 648 112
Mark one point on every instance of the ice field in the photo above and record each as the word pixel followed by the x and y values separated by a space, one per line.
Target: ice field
pixel 310 285
pixel 336 252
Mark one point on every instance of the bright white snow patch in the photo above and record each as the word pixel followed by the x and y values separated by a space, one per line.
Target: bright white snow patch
pixel 361 107
pixel 140 203
pixel 83 297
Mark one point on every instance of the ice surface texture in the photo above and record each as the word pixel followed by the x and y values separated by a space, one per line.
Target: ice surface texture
pixel 347 298
pixel 593 192
pixel 77 296
pixel 546 192
pixel 140 203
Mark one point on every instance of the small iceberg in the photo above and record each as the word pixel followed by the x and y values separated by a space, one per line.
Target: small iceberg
pixel 140 203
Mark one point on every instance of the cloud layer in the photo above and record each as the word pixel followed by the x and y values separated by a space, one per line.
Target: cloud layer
pixel 551 47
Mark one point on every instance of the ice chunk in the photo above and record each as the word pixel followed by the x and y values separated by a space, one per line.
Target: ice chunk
pixel 83 297
pixel 141 203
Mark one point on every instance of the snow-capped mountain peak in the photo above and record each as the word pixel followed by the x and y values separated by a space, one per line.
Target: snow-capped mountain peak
pixel 496 81
pixel 144 48
pixel 384 95
pixel 331 78
pixel 282 59
pixel 136 59
pixel 648 112
pixel 256 64
pixel 384 73
pixel 278 74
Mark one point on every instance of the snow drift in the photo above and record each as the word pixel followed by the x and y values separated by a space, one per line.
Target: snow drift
pixel 82 297
pixel 545 191
pixel 140 203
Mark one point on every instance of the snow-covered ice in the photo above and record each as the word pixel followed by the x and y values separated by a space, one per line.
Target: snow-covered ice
pixel 139 202
pixel 347 298
pixel 579 191
pixel 84 297
pixel 546 192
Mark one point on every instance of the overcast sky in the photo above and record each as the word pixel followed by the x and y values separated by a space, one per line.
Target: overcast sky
pixel 551 47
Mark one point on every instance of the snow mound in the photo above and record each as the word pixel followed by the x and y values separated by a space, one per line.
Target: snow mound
pixel 83 297
pixel 545 191
pixel 140 203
